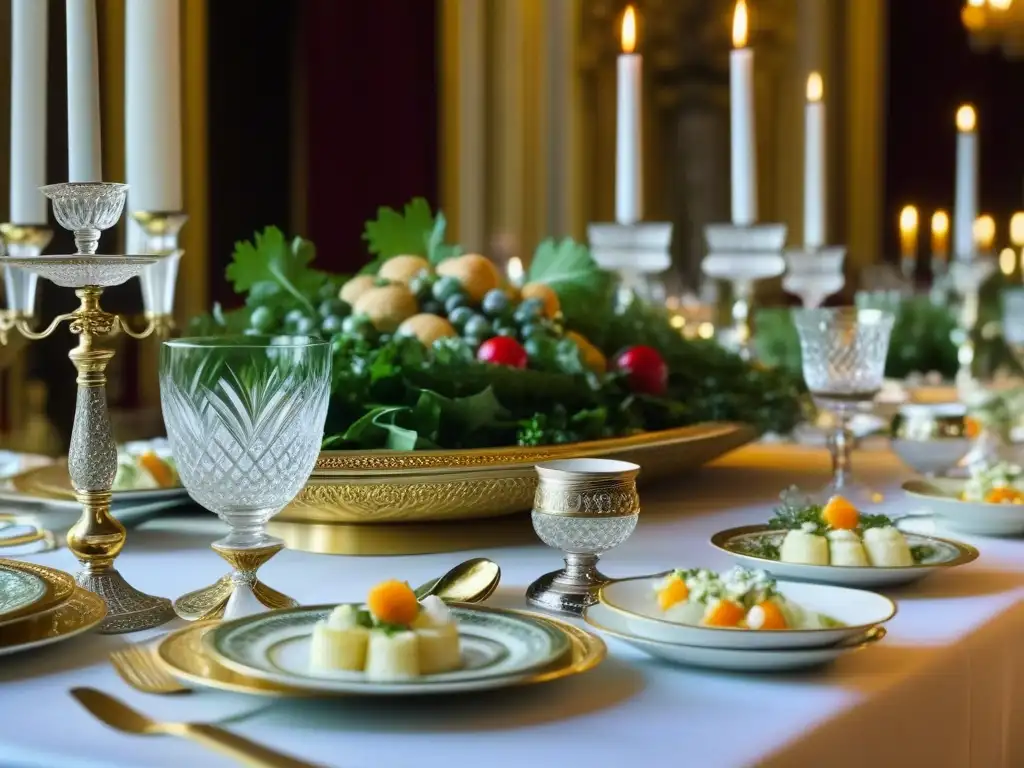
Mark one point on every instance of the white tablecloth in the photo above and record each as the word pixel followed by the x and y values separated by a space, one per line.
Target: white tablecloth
pixel 945 688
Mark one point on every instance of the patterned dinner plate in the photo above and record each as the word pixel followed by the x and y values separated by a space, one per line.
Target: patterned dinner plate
pixel 499 648
pixel 81 612
pixel 747 545
pixel 27 588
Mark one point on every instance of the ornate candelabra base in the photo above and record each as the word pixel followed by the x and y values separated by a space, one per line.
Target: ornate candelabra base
pixel 128 609
pixel 741 256
pixel 238 593
pixel 814 275
pixel 88 208
pixel 571 589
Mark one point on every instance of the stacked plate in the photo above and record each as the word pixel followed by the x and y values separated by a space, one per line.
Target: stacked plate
pixel 269 655
pixel 45 492
pixel 628 610
pixel 40 606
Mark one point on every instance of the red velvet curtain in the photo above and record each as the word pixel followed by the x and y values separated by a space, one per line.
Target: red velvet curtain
pixel 371 85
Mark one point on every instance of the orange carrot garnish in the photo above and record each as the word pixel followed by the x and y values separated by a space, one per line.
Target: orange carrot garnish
pixel 840 514
pixel 724 613
pixel 773 617
pixel 674 592
pixel 393 602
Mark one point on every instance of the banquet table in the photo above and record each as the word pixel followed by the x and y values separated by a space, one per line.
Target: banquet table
pixel 944 688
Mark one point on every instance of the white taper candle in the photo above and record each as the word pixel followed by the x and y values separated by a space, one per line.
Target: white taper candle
pixel 741 101
pixel 628 140
pixel 153 105
pixel 28 111
pixel 965 209
pixel 84 158
pixel 814 164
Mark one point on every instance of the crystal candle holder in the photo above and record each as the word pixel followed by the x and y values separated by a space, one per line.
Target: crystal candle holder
pixel 158 282
pixel 814 275
pixel 636 252
pixel 741 256
pixel 22 241
pixel 583 507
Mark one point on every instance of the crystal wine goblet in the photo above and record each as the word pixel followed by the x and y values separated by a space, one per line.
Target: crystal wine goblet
pixel 245 419
pixel 843 352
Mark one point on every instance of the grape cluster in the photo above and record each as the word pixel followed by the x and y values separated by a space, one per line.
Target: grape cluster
pixel 331 317
pixel 496 315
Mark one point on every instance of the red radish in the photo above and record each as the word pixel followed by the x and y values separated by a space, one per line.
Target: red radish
pixel 502 350
pixel 646 369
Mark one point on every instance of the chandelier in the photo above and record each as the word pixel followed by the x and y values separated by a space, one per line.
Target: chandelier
pixel 995 23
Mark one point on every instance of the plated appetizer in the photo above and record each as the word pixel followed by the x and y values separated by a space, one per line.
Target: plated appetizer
pixel 743 609
pixel 145 471
pixel 394 637
pixel 1001 483
pixel 835 533
pixel 738 599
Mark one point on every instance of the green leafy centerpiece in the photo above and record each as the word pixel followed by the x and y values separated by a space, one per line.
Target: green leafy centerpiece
pixel 434 349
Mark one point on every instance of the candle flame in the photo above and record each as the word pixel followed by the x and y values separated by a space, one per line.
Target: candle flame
pixel 629 30
pixel 1007 261
pixel 975 3
pixel 908 219
pixel 1017 229
pixel 965 119
pixel 815 87
pixel 984 231
pixel 1000 5
pixel 739 25
pixel 940 223
pixel 514 270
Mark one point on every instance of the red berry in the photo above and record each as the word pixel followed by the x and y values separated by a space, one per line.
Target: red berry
pixel 645 368
pixel 502 350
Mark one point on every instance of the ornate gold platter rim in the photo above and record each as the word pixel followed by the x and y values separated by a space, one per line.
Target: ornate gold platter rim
pixel 466 462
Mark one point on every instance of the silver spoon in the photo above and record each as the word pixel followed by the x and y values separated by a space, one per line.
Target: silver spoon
pixel 472 581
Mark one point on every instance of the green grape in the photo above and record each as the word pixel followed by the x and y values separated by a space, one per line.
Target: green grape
pixel 331 325
pixel 336 307
pixel 432 308
pixel 477 326
pixel 293 318
pixel 529 310
pixel 445 288
pixel 459 316
pixel 496 303
pixel 262 319
pixel 356 325
pixel 328 290
pixel 454 302
pixel 305 326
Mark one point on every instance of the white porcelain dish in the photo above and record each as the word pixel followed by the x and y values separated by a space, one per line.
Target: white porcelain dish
pixel 945 554
pixel 610 622
pixel 636 601
pixel 941 496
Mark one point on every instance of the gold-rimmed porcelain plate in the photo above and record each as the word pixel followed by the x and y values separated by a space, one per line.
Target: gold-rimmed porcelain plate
pixel 942 497
pixel 604 619
pixel 743 543
pixel 856 610
pixel 34 589
pixel 183 654
pixel 81 612
pixel 52 483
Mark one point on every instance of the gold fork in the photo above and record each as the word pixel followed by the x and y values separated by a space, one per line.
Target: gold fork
pixel 137 666
pixel 121 717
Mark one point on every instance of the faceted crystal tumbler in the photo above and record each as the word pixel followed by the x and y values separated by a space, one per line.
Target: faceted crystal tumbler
pixel 245 420
pixel 583 507
pixel 843 354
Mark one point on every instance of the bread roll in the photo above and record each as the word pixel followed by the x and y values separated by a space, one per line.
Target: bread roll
pixel 806 547
pixel 886 547
pixel 339 643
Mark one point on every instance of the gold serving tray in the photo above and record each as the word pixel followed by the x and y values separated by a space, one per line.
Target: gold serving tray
pixel 373 487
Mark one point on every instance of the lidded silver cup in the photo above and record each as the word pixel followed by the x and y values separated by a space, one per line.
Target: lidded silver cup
pixel 583 507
